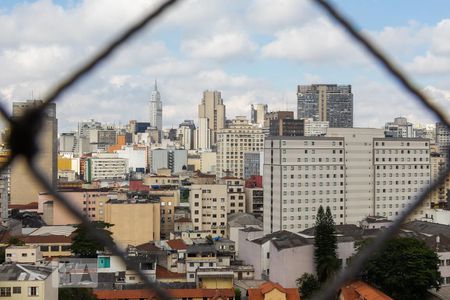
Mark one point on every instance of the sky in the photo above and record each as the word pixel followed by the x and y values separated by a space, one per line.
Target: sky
pixel 254 51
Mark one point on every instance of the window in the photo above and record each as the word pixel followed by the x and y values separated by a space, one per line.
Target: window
pixel 17 290
pixel 44 248
pixel 5 292
pixel 54 248
pixel 33 291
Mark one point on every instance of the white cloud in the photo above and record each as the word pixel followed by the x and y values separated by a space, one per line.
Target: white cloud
pixel 318 41
pixel 220 46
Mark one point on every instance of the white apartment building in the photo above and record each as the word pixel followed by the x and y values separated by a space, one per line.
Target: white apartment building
pixel 233 142
pixel 106 166
pixel 355 171
pixel 315 128
pixel 136 156
pixel 208 203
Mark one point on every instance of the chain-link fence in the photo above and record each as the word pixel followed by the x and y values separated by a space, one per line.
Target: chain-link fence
pixel 24 131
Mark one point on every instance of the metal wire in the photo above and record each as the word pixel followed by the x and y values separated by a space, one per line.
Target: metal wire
pixel 18 125
pixel 329 292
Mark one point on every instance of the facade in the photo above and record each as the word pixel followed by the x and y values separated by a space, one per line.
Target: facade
pixel 442 139
pixel 173 159
pixel 326 102
pixel 233 142
pixel 253 164
pixel 202 135
pixel 67 141
pixel 400 128
pixel 277 115
pixel 155 107
pixel 102 138
pixel 24 187
pixel 213 109
pixel 287 127
pixel 135 221
pixel 258 113
pixel 23 254
pixel 185 133
pixel 136 157
pixel 209 205
pixel 236 194
pixel 105 166
pixel 26 281
pixel 356 172
pixel 315 128
pixel 254 204
pixel 439 196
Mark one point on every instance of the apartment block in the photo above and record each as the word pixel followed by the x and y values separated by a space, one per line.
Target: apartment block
pixel 105 166
pixel 355 171
pixel 213 110
pixel 209 205
pixel 235 194
pixel 232 142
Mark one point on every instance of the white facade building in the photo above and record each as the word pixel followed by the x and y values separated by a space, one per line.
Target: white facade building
pixel 315 128
pixel 203 135
pixel 137 157
pixel 106 166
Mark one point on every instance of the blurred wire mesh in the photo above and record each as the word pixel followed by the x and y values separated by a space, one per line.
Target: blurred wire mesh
pixel 23 132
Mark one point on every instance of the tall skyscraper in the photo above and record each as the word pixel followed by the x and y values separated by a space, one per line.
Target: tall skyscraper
pixel 212 108
pixel 258 113
pixel 326 102
pixel 24 188
pixel 156 109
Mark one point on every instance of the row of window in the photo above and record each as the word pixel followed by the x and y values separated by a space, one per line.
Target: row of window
pixel 8 291
pixel 313 168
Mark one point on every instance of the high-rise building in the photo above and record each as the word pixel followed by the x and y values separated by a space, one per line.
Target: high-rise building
pixel 258 113
pixel 232 142
pixel 357 172
pixel 277 115
pixel 326 102
pixel 156 109
pixel 443 139
pixel 67 142
pixel 315 128
pixel 213 109
pixel 185 133
pixel 173 159
pixel 253 164
pixel 24 187
pixel 399 128
pixel 203 135
pixel 287 127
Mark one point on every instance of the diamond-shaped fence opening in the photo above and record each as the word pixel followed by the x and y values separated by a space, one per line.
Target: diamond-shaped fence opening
pixel 23 132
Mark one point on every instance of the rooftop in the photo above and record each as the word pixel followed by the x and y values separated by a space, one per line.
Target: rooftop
pixel 242 220
pixel 177 244
pixel 201 249
pixel 428 228
pixel 23 272
pixel 258 293
pixel 174 293
pixel 360 290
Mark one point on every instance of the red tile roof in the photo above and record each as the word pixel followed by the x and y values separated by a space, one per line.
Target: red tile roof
pixel 174 293
pixel 258 293
pixel 150 246
pixel 46 239
pixel 177 244
pixel 360 290
pixel 163 273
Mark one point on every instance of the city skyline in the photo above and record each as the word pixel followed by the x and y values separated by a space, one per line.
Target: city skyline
pixel 258 59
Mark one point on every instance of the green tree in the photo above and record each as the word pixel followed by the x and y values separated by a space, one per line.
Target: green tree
pixel 405 269
pixel 15 241
pixel 76 294
pixel 237 294
pixel 325 245
pixel 307 285
pixel 84 244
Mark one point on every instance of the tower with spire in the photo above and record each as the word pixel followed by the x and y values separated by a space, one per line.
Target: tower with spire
pixel 156 108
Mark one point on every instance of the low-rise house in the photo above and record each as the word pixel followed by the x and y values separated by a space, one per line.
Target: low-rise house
pixel 176 294
pixel 238 221
pixel 23 254
pixel 23 281
pixel 214 278
pixel 360 290
pixel 199 256
pixel 272 291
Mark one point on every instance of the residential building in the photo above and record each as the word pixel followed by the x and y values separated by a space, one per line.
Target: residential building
pixel 173 159
pixel 443 139
pixel 24 186
pixel 356 172
pixel 233 142
pixel 439 196
pixel 185 134
pixel 155 106
pixel 209 207
pixel 253 164
pixel 136 157
pixel 238 221
pixel 208 161
pixel 202 138
pixel 23 254
pixel 272 291
pixel 25 281
pixel 176 294
pixel 102 138
pixel 326 102
pixel 400 128
pixel 105 166
pixel 67 142
pixel 258 113
pixel 254 201
pixel 199 256
pixel 235 194
pixel 213 109
pixel 136 221
pixel 361 291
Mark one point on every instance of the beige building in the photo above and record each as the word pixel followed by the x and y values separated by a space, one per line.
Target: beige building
pixel 135 221
pixel 213 109
pixel 169 199
pixel 355 171
pixel 23 254
pixel 208 161
pixel 90 201
pixel 24 281
pixel 106 166
pixel 24 187
pixel 438 197
pixel 209 207
pixel 235 194
pixel 233 142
